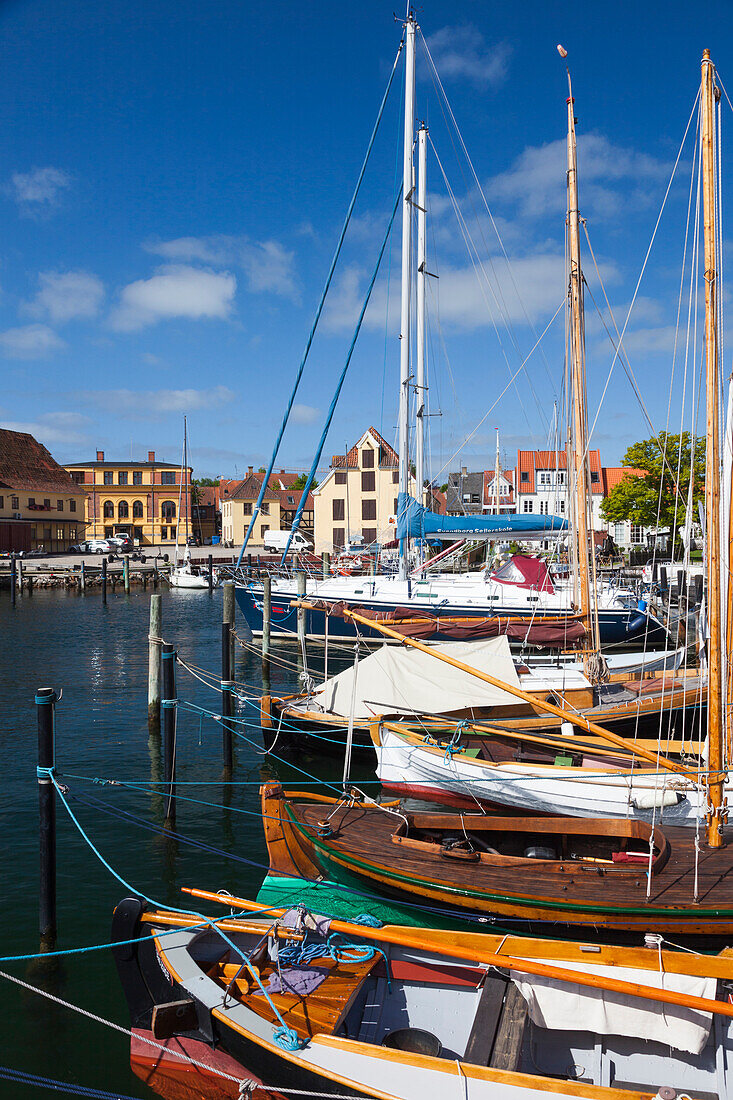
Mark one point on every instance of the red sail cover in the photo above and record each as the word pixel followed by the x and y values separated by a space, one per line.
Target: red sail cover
pixel 524 571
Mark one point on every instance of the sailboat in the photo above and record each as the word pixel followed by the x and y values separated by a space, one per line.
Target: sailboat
pixel 184 574
pixel 512 591
pixel 623 873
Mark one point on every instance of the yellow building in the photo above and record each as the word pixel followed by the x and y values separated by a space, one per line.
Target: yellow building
pixel 40 505
pixel 237 509
pixel 141 499
pixel 359 495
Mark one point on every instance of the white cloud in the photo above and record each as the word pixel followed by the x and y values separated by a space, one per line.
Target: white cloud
pixel 140 404
pixel 175 291
pixel 268 266
pixel 29 342
pixel 40 188
pixel 462 53
pixel 651 340
pixel 53 427
pixel 536 180
pixel 304 414
pixel 65 295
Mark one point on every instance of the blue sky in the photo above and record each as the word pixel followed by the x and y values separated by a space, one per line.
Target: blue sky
pixel 174 179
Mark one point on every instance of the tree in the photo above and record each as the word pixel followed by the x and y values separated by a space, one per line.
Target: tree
pixel 300 481
pixel 658 498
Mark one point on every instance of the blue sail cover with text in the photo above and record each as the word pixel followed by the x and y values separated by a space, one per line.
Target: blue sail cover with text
pixel 414 521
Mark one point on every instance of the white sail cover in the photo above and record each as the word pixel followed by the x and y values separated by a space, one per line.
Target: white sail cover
pixel 406 681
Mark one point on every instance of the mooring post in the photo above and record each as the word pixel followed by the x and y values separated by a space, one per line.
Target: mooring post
pixel 20 575
pixel 228 616
pixel 169 707
pixel 83 578
pixel 45 708
pixel 211 573
pixel 301 618
pixel 266 618
pixel 155 641
pixel 13 580
pixel 104 580
pixel 227 697
pixel 126 573
pixel 325 565
pixel 155 574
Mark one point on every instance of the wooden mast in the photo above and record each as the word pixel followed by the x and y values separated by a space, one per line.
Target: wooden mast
pixel 577 374
pixel 712 463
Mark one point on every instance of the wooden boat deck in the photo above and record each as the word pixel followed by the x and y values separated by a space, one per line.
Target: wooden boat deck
pixel 366 840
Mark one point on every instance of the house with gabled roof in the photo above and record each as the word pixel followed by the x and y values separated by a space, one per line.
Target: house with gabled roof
pixel 41 506
pixel 237 509
pixel 358 496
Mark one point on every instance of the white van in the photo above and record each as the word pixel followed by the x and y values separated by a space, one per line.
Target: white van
pixel 276 541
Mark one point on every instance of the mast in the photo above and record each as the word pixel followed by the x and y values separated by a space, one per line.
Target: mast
pixel 496 475
pixel 712 462
pixel 185 472
pixel 577 372
pixel 420 380
pixel 404 410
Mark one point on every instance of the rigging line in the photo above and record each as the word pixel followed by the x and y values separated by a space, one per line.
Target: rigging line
pixel 321 304
pixel 477 263
pixel 491 408
pixel 487 208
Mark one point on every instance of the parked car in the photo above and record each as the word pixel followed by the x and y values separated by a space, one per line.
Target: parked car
pixel 120 543
pixel 276 541
pixel 98 546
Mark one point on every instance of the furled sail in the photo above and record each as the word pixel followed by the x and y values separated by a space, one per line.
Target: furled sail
pixel 414 521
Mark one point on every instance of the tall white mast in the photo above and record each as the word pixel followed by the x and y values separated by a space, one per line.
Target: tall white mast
pixel 420 374
pixel 496 477
pixel 404 412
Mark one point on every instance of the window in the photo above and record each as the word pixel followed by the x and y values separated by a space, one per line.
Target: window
pixel 369 534
pixel 525 475
pixel 369 510
pixel 367 458
pixel 543 507
pixel 545 479
pixel 173 532
pixel 72 505
pixel 528 506
pixel 340 478
pixel 73 534
pixel 108 477
pixel 466 498
pixel 123 510
pixel 137 532
pixel 561 477
pixel 265 528
pixel 59 534
pixel 291 500
pixel 122 477
pixel 595 477
pixel 368 482
pixel 168 510
pixel 562 507
pixel 137 509
pixel 395 477
pixel 59 505
pixel 637 533
pixel 164 533
pixel 47 503
pixel 78 477
pixel 108 510
pixel 338 509
pixel 247 508
pixel 168 477
pixel 31 502
pixel 618 532
pixel 15 503
pixel 396 505
pixel 338 537
pixel 137 477
pixel 108 532
pixel 2 502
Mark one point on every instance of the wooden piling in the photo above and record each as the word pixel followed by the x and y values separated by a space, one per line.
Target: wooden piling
pixel 266 621
pixel 154 644
pixel 104 580
pixel 155 574
pixel 169 707
pixel 126 573
pixel 45 709
pixel 83 578
pixel 20 575
pixel 13 580
pixel 227 696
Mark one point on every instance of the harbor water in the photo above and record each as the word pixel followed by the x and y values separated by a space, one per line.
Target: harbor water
pixel 97 655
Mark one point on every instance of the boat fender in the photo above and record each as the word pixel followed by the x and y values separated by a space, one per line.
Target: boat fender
pixel 649 800
pixel 636 623
pixel 538 851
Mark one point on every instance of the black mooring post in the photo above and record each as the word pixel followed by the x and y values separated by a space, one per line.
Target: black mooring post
pixel 13 580
pixel 211 573
pixel 227 699
pixel 104 580
pixel 169 706
pixel 45 708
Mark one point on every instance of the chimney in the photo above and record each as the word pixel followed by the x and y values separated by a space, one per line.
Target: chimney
pixel 464 471
pixel 250 470
pixel 151 456
pixel 100 456
pixel 282 471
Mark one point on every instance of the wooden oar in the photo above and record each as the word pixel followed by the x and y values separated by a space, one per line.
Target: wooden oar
pixel 406 938
pixel 519 693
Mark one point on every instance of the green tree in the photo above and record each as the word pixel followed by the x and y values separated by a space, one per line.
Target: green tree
pixel 659 497
pixel 300 481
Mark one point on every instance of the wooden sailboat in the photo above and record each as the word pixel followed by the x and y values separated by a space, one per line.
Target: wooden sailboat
pixel 183 573
pixel 293 1000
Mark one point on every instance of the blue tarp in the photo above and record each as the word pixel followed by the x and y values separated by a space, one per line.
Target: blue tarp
pixel 414 521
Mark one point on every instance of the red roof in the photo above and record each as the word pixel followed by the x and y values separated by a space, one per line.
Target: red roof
pixel 290 499
pixel 489 475
pixel 249 489
pixel 26 464
pixel 530 461
pixel 388 455
pixel 612 475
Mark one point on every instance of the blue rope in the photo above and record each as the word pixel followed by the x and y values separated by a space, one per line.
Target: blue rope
pixel 45 773
pixel 339 386
pixel 319 310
